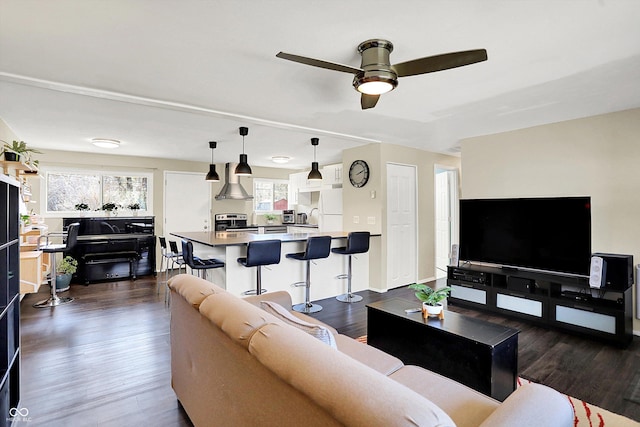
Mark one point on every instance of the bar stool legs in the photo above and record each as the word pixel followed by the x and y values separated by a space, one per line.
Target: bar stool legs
pixel 307 306
pixel 349 296
pixel 54 300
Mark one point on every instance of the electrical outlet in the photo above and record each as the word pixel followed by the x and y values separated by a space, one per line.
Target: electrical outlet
pixel 371 220
pixel 356 219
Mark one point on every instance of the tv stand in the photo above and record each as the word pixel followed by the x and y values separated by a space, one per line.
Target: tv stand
pixel 555 300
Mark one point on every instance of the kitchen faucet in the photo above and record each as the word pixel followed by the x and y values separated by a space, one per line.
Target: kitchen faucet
pixel 311 212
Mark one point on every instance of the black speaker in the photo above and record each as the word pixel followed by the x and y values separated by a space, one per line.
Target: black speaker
pixel 521 284
pixel 619 273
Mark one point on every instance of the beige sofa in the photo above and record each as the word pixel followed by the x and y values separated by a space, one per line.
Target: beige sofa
pixel 235 364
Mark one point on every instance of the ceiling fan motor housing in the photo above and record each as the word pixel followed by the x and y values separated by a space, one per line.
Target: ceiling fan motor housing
pixel 376 64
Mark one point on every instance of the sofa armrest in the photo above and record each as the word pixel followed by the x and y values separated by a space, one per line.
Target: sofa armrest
pixel 532 405
pixel 279 297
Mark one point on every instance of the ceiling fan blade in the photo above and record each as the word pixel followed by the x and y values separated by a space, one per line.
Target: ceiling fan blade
pixel 319 63
pixel 368 101
pixel 445 61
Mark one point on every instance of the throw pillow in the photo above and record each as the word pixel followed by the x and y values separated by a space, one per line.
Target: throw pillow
pixel 316 331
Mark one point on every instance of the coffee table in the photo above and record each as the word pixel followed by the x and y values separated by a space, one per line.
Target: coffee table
pixel 474 352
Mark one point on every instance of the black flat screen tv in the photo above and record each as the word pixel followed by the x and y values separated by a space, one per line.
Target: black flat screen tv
pixel 549 234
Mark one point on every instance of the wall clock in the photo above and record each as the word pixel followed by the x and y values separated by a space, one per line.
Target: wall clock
pixel 359 173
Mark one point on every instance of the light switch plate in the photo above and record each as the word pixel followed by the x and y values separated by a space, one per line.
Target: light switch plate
pixel 356 219
pixel 371 220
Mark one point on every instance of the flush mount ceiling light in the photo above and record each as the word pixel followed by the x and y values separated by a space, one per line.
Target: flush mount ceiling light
pixel 105 143
pixel 280 159
pixel 243 168
pixel 314 174
pixel 212 175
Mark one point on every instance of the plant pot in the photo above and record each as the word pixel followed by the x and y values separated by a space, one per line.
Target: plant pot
pixel 11 157
pixel 134 212
pixel 63 281
pixel 431 310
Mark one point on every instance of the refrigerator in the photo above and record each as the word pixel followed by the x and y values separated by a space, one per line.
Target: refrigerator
pixel 330 210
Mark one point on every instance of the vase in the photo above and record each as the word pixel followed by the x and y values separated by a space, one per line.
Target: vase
pixel 62 282
pixel 11 157
pixel 431 310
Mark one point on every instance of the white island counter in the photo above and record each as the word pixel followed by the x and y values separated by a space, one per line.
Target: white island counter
pixel 229 246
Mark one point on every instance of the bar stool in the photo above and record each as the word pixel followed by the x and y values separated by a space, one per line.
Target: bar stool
pixel 198 264
pixel 317 248
pixel 52 249
pixel 357 243
pixel 259 253
pixel 165 255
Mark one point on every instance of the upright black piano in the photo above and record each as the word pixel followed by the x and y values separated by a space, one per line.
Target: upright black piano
pixel 111 248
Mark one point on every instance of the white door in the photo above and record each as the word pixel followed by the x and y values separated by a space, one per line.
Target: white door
pixel 187 203
pixel 402 259
pixel 446 199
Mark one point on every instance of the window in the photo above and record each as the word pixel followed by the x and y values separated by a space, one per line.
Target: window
pixel 270 195
pixel 66 188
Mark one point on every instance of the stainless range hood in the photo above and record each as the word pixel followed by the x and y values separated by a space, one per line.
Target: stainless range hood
pixel 232 189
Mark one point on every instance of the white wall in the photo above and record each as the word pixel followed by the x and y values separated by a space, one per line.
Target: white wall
pixel 358 202
pixel 596 156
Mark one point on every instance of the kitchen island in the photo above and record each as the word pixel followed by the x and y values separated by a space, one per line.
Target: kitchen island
pixel 229 246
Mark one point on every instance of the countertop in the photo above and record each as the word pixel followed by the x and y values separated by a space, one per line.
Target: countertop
pixel 225 238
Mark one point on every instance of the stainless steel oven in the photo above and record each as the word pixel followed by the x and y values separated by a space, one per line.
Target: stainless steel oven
pixel 230 220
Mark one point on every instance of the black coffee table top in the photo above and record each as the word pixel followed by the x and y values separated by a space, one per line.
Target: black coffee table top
pixel 453 323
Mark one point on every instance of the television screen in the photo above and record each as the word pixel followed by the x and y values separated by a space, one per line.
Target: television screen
pixel 551 234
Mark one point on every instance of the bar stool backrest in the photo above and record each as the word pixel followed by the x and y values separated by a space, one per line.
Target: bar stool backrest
pixel 318 247
pixel 358 242
pixel 163 244
pixel 187 253
pixel 72 235
pixel 263 252
pixel 174 247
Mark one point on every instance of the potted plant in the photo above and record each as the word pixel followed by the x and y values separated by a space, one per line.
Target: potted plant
pixel 430 298
pixel 270 218
pixel 64 271
pixel 109 207
pixel 13 151
pixel 134 207
pixel 82 207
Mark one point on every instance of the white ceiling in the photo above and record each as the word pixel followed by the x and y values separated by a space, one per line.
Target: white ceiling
pixel 165 77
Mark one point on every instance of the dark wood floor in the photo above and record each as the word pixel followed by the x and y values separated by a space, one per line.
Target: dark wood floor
pixel 103 360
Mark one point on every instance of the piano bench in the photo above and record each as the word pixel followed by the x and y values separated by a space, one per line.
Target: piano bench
pixel 94 260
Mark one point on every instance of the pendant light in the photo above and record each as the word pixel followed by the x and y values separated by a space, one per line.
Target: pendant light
pixel 243 168
pixel 212 176
pixel 315 174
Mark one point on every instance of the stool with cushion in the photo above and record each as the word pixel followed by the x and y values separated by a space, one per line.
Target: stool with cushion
pixel 259 253
pixel 198 264
pixel 357 243
pixel 317 248
pixel 52 249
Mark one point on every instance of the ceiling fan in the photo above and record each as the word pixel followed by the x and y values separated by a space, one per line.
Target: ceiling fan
pixel 376 75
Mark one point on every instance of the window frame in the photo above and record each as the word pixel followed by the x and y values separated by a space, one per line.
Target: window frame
pixel 44 188
pixel 272 181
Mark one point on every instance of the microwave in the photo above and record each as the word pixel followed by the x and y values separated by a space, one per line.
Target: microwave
pixel 289 216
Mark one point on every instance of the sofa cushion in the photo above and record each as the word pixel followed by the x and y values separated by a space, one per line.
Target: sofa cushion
pixel 468 408
pixel 372 357
pixel 316 331
pixel 193 289
pixel 353 393
pixel 234 316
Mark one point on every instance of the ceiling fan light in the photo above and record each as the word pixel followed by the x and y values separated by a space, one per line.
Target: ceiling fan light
pixel 105 143
pixel 212 176
pixel 243 168
pixel 314 174
pixel 374 87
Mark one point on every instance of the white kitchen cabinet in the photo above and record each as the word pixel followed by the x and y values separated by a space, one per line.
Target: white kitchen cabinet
pixel 300 182
pixel 332 175
pixel 293 189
